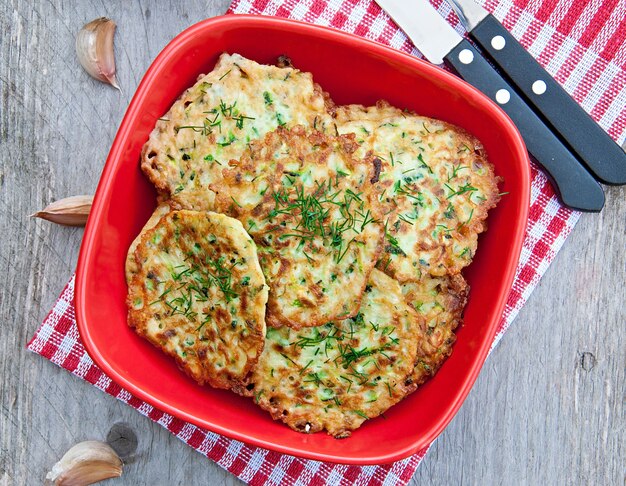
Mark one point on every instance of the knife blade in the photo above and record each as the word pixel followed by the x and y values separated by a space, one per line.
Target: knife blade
pixel 602 156
pixel 439 42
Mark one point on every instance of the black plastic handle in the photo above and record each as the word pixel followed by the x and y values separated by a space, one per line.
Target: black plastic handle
pixel 577 188
pixel 581 133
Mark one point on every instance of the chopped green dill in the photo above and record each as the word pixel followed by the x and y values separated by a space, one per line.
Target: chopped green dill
pixel 424 164
pixel 240 119
pixel 393 247
pixel 449 212
pixel 305 367
pixel 349 382
pixel 289 359
pixel 405 218
pixel 313 378
pixel 455 171
pixel 310 216
pixel 204 322
pixel 227 141
pixel 461 190
pixel 464 252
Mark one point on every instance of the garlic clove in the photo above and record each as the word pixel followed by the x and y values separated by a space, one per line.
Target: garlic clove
pixel 86 463
pixel 94 47
pixel 70 211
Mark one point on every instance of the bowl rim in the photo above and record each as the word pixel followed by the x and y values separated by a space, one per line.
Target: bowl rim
pixel 107 178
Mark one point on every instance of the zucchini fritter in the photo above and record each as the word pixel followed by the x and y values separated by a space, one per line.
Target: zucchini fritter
pixel 132 267
pixel 311 208
pixel 336 376
pixel 440 302
pixel 436 185
pixel 214 120
pixel 199 295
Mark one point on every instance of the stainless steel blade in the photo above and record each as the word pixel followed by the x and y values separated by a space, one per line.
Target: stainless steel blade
pixel 469 12
pixel 428 30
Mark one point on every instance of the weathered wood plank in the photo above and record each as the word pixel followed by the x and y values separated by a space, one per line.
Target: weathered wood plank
pixel 548 407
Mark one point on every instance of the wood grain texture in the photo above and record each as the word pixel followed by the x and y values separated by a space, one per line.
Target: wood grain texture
pixel 548 407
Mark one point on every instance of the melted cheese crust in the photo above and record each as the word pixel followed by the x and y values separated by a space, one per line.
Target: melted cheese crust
pixel 199 295
pixel 214 121
pixel 312 210
pixel 336 376
pixel 435 182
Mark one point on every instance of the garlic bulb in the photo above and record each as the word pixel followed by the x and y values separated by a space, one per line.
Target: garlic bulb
pixel 94 47
pixel 70 211
pixel 86 463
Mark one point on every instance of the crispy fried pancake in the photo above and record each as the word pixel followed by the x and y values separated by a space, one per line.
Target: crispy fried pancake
pixel 199 295
pixel 336 376
pixel 214 120
pixel 311 208
pixel 440 302
pixel 437 187
pixel 132 267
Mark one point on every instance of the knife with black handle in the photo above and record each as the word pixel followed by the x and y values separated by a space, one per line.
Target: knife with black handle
pixel 603 157
pixel 577 188
pixel 438 41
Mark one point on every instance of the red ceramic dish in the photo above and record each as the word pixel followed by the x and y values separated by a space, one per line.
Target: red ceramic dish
pixel 352 70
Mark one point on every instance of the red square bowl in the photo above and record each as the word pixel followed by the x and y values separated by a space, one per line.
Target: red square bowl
pixel 352 70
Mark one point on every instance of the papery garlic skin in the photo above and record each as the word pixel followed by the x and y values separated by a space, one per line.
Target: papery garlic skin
pixel 94 48
pixel 70 211
pixel 86 463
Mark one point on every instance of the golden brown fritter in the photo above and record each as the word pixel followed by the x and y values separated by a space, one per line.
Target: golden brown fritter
pixel 311 208
pixel 440 302
pixel 131 266
pixel 214 121
pixel 199 295
pixel 436 185
pixel 336 376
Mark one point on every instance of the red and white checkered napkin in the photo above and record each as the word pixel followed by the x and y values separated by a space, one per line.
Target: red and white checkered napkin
pixel 582 44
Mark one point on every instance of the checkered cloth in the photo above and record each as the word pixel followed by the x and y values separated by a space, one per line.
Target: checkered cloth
pixel 582 44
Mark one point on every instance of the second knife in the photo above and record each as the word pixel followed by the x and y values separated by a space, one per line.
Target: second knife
pixel 439 42
pixel 603 157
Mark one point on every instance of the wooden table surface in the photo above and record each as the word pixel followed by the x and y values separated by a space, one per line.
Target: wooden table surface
pixel 548 407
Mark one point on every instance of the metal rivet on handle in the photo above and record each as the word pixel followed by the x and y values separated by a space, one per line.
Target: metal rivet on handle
pixel 503 96
pixel 498 43
pixel 539 87
pixel 466 56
